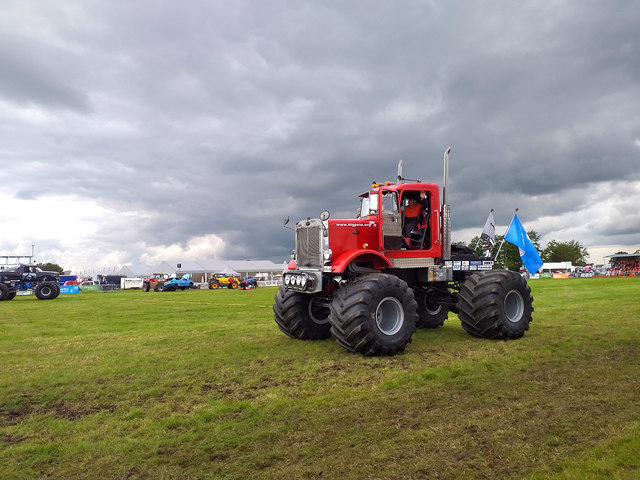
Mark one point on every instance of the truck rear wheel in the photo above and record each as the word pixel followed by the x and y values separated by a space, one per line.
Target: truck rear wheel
pixel 301 316
pixel 375 314
pixel 46 291
pixel 430 315
pixel 495 304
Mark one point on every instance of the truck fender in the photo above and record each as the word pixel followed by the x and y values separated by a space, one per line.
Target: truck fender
pixel 378 260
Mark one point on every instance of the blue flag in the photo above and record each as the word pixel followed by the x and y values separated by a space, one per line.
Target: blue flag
pixel 528 253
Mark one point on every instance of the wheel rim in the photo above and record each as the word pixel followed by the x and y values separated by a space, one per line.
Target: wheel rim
pixel 46 291
pixel 317 311
pixel 433 309
pixel 390 316
pixel 514 306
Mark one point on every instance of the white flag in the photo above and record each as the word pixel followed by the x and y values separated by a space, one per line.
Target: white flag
pixel 489 233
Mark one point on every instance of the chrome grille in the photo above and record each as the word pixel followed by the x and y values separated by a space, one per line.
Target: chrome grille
pixel 309 244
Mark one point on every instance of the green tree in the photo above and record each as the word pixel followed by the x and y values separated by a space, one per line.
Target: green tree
pixel 571 251
pixel 51 267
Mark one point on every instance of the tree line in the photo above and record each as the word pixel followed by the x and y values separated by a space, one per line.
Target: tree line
pixel 509 255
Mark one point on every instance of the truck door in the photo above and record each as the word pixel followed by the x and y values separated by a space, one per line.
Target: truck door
pixel 391 222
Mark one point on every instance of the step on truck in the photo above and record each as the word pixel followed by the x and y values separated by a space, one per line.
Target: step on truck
pixel 370 281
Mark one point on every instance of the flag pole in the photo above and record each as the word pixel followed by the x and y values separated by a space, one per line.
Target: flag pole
pixel 505 234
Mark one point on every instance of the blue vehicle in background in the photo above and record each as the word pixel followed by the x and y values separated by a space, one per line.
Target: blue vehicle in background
pixel 176 283
pixel 248 282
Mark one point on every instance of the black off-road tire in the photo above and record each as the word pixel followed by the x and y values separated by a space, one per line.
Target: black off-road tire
pixel 4 292
pixel 429 315
pixel 495 304
pixel 11 295
pixel 375 314
pixel 301 316
pixel 46 291
pixel 146 286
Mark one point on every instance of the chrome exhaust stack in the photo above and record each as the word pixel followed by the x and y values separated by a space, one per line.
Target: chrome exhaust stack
pixel 446 212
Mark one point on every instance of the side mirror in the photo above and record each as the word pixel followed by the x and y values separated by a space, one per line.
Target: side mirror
pixel 324 215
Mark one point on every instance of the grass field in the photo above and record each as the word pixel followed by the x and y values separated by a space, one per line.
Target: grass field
pixel 202 384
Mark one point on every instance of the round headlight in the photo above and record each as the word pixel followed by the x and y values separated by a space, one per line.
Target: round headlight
pixel 287 279
pixel 299 280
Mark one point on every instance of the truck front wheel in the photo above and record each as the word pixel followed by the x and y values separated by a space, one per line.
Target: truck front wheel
pixel 301 316
pixel 4 292
pixel 46 291
pixel 495 304
pixel 375 314
pixel 146 286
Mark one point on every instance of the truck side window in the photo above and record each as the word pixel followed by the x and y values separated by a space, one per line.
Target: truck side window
pixel 390 202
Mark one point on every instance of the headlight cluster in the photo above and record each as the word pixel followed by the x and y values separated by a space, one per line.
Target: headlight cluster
pixel 298 281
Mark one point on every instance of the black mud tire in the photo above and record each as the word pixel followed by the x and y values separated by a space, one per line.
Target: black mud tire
pixel 495 304
pixel 4 292
pixel 430 315
pixel 46 291
pixel 301 315
pixel 375 314
pixel 11 295
pixel 146 287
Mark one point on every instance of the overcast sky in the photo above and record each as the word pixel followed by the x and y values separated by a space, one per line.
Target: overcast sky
pixel 140 131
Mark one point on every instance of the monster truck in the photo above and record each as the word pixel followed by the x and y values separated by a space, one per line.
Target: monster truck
pixel 370 282
pixel 45 284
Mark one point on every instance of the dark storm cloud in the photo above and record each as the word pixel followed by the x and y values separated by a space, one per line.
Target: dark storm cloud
pixel 37 74
pixel 226 117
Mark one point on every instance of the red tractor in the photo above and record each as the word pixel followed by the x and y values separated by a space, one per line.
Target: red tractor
pixel 155 282
pixel 371 280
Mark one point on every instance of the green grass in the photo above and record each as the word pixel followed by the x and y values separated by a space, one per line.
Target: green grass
pixel 202 384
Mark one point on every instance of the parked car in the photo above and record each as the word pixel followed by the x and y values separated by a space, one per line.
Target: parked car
pixel 176 283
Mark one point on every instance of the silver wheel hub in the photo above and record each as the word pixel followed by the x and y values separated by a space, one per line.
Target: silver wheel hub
pixel 514 306
pixel 389 316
